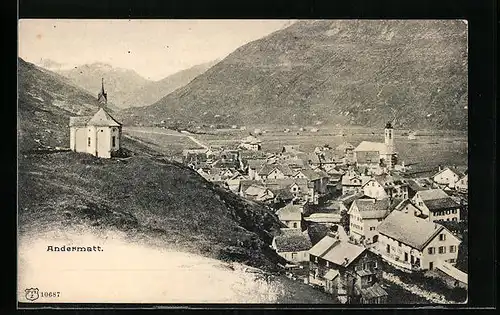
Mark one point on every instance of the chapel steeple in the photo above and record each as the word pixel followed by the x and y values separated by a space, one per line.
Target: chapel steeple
pixel 102 97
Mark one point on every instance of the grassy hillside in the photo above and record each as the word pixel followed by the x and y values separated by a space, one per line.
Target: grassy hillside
pixel 350 72
pixel 46 100
pixel 143 195
pixel 152 92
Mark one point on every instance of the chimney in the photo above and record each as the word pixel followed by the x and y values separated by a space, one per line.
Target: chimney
pixel 440 168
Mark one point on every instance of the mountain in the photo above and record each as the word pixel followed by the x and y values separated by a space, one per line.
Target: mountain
pixel 118 82
pixel 153 91
pixel 351 72
pixel 52 65
pixel 46 100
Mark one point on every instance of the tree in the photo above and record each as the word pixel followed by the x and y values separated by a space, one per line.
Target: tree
pixel 344 220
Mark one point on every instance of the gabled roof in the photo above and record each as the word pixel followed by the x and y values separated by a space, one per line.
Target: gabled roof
pixel 453 169
pixel 266 169
pixel 408 229
pixel 431 194
pixel 103 119
pixel 336 251
pixel 437 199
pixel 292 240
pixel 344 146
pixel 371 208
pixel 310 174
pixel 371 146
pixel 290 213
pixel 286 183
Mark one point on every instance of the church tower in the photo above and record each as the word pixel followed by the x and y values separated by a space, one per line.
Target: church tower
pixel 390 154
pixel 102 97
pixel 389 138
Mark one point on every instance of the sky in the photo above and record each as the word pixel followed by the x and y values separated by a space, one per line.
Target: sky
pixel 153 48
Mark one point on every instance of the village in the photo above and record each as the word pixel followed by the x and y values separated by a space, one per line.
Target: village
pixel 346 211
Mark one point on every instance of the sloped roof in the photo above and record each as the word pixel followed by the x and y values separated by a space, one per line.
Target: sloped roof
pixel 293 242
pixel 290 213
pixel 323 218
pixel 371 146
pixel 268 168
pixel 455 170
pixel 286 183
pixel 344 146
pixel 336 251
pixel 79 121
pixel 413 185
pixel 373 291
pixel 443 203
pixel 255 163
pixel 310 174
pixel 343 253
pixel 255 190
pixel 431 194
pixel 331 274
pixel 347 180
pixel 408 229
pixel 372 209
pixel 102 118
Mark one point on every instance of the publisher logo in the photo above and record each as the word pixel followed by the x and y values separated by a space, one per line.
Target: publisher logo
pixel 31 294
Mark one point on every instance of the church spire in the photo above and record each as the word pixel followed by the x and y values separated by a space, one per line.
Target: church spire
pixel 102 97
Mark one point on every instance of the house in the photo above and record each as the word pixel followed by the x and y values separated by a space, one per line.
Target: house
pixel 319 179
pixel 408 207
pixel 253 165
pixel 415 185
pixel 394 186
pixel 347 271
pixel 251 143
pixel 300 188
pixel 293 245
pixel 364 217
pixel 351 183
pixel 437 205
pixel 451 276
pixel 291 215
pixel 462 184
pixel 412 243
pixel 259 193
pixel 99 135
pixel 447 177
pixel 374 189
pixel 368 152
pixel 274 171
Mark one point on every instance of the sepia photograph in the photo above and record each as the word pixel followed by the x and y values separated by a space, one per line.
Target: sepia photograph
pixel 194 161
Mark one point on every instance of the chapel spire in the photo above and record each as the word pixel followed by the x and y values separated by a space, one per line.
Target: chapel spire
pixel 102 97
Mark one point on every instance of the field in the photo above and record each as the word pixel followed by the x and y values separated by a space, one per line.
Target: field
pixel 428 150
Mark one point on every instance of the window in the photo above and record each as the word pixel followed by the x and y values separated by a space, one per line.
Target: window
pixel 431 250
pixel 442 250
pixel 88 141
pixel 452 260
pixel 454 219
pixel 399 244
pixel 442 237
pixel 295 224
pixel 114 141
pixel 372 228
pixel 294 255
pixel 454 211
pixel 452 248
pixel 406 256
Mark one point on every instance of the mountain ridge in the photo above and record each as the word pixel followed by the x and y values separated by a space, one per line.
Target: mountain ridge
pixel 352 72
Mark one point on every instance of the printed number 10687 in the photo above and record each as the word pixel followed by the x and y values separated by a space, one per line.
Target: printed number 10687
pixel 50 294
